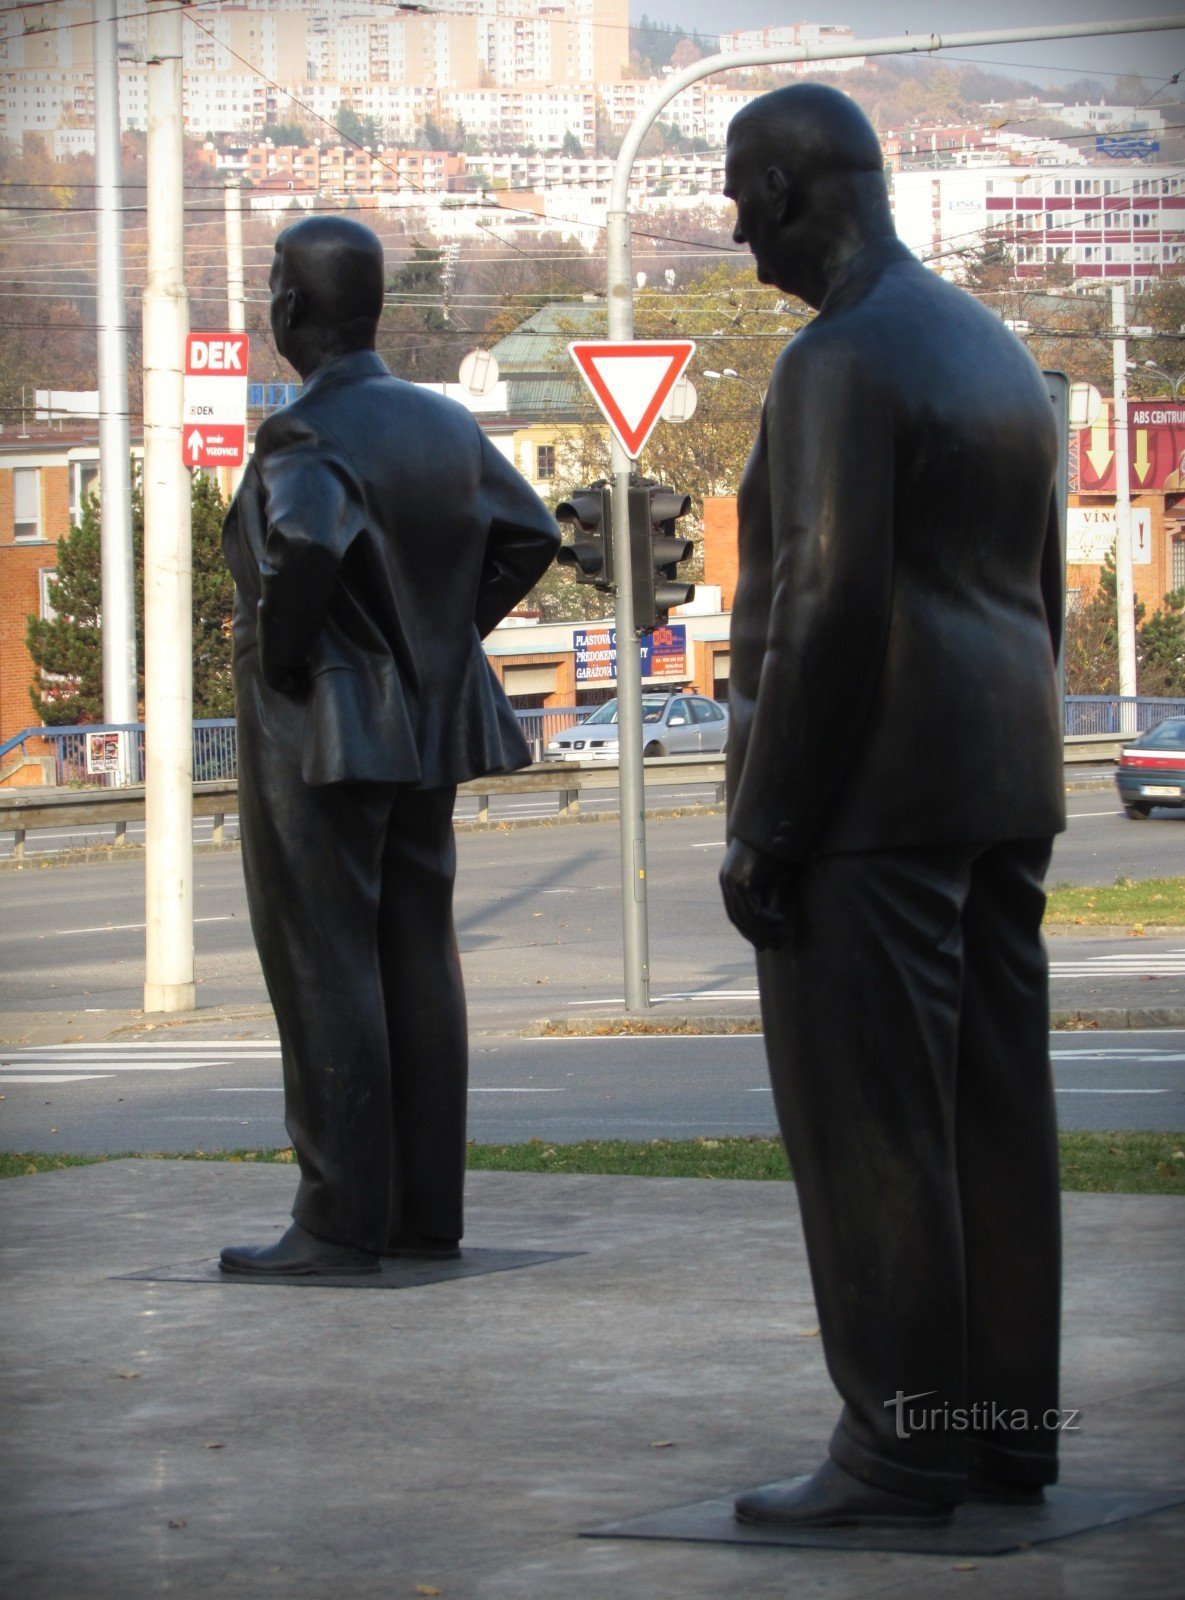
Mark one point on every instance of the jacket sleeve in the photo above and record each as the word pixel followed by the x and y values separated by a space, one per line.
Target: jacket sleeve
pixel 313 512
pixel 521 543
pixel 831 488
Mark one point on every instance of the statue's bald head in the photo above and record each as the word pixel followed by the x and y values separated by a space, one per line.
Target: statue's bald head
pixel 326 284
pixel 810 128
pixel 805 168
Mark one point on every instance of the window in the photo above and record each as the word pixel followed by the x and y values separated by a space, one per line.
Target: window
pixel 544 462
pixel 47 579
pixel 84 480
pixel 26 503
pixel 1178 578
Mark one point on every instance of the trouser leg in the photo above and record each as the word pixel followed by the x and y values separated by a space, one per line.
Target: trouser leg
pixel 861 1017
pixel 1008 1169
pixel 426 1024
pixel 312 860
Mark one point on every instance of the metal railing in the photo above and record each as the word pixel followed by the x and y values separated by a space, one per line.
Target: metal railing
pixel 1116 714
pixel 77 750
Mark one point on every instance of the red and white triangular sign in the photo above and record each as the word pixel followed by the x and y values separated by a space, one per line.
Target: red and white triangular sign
pixel 630 382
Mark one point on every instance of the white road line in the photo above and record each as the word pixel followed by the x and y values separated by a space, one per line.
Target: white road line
pixel 666 999
pixel 49 1077
pixel 119 927
pixel 1111 1091
pixel 1076 816
pixel 529 1090
pixel 1092 1056
pixel 636 1038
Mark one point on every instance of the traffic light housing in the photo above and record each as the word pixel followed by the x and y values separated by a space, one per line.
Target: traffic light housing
pixel 591 550
pixel 655 553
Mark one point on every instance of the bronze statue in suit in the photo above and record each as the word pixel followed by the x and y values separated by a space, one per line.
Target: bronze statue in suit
pixel 894 785
pixel 377 535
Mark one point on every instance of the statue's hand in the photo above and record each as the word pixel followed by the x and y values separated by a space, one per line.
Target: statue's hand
pixel 757 889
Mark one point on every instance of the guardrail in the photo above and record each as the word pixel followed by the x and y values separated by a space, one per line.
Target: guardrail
pixel 24 810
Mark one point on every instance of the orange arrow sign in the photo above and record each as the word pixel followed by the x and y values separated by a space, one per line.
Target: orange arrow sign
pixel 630 381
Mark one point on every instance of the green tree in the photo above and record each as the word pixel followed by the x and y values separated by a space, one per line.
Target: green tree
pixel 1161 648
pixel 353 128
pixel 416 337
pixel 213 601
pixel 571 146
pixel 67 649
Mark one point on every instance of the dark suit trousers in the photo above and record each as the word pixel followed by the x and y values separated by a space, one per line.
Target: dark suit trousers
pixel 906 1025
pixel 350 888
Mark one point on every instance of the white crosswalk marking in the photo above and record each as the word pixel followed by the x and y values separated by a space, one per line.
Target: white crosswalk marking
pixel 80 1063
pixel 1125 964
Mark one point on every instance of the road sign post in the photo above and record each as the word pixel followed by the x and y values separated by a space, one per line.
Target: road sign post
pixel 629 379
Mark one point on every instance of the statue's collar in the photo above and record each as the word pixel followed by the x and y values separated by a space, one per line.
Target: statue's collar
pixel 347 369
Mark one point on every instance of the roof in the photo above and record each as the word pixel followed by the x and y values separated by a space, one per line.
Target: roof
pixel 537 347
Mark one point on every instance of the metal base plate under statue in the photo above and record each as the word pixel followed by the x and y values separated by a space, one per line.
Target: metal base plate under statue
pixel 396 1272
pixel 974 1530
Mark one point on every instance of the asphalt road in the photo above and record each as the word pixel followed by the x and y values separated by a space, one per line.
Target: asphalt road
pixel 538 912
pixel 176 1095
pixel 45 842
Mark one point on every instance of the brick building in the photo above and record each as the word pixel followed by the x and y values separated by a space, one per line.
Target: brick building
pixel 42 483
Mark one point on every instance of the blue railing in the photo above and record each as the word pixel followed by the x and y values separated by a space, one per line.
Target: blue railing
pixel 82 752
pixel 1115 713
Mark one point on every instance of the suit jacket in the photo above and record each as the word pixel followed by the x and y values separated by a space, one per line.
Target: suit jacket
pixel 376 537
pixel 899 604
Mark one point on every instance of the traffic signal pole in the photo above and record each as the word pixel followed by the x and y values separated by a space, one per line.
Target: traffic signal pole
pixel 619 284
pixel 634 926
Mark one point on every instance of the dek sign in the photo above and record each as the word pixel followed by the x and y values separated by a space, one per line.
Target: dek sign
pixel 215 416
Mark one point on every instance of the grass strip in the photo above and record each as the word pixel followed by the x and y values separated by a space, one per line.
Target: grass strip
pixel 1149 902
pixel 1094 1163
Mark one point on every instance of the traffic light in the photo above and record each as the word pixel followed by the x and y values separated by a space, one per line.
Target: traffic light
pixel 591 550
pixel 655 553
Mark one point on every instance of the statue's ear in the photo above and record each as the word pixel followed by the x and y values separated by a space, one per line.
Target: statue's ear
pixel 777 191
pixel 294 307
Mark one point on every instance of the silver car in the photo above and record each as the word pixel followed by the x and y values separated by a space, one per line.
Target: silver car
pixel 672 725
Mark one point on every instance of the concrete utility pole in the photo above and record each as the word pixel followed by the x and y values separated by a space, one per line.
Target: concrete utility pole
pixel 168 556
pixel 115 490
pixel 1125 585
pixel 620 294
pixel 236 320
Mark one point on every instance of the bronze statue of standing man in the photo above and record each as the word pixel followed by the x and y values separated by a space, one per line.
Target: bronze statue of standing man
pixel 377 536
pixel 894 786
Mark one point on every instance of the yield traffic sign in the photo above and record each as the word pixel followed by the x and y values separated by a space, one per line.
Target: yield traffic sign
pixel 630 381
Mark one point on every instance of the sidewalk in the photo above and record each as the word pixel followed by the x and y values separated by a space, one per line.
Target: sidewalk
pixel 705 1015
pixel 202 1438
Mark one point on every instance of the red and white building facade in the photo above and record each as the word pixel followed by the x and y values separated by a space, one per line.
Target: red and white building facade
pixel 1106 223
